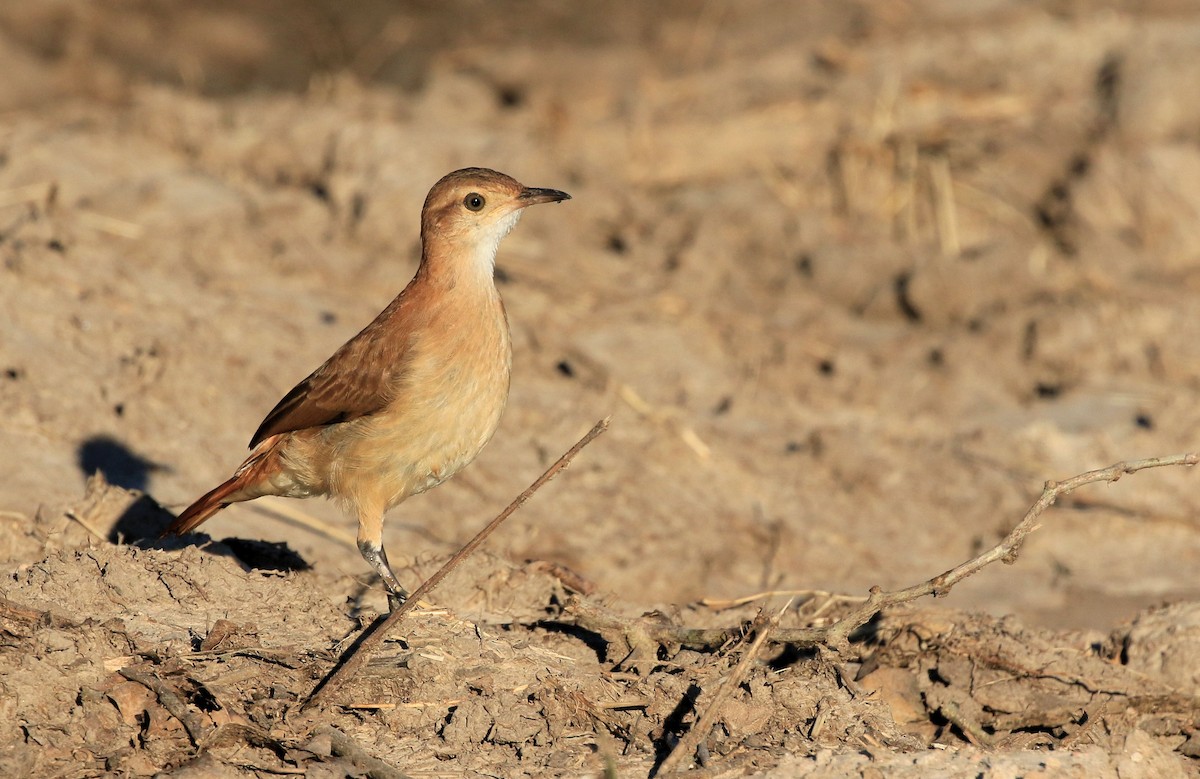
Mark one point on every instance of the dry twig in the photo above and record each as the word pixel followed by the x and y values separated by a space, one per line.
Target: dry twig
pixel 720 604
pixel 357 654
pixel 637 633
pixel 837 635
pixel 18 613
pixel 284 510
pixel 171 701
pixel 86 525
pixel 691 740
pixel 342 745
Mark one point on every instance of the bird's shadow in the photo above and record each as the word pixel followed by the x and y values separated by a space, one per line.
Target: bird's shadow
pixel 251 554
pixel 120 465
pixel 141 521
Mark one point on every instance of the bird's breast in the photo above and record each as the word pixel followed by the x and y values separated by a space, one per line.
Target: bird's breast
pixel 447 405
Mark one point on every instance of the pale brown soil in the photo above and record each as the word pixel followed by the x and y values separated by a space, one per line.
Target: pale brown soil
pixel 853 280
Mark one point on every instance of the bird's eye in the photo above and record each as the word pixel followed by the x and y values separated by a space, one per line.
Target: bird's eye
pixel 473 201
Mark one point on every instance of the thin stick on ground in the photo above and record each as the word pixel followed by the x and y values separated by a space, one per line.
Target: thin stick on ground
pixel 357 654
pixel 282 509
pixel 93 531
pixel 620 630
pixel 837 635
pixel 720 604
pixel 171 701
pixel 344 746
pixel 691 740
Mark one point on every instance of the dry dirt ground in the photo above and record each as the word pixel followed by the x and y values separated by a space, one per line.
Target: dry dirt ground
pixel 852 279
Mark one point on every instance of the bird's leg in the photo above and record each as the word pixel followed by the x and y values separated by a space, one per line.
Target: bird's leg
pixel 370 545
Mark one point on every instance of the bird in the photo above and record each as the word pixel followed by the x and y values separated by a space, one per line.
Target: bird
pixel 415 396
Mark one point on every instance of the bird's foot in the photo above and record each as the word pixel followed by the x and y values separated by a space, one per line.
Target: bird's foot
pixel 372 552
pixel 396 599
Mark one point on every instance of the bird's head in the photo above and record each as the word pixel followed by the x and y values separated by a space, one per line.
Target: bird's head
pixel 469 211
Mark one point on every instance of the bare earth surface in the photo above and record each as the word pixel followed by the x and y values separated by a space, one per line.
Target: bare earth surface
pixel 852 279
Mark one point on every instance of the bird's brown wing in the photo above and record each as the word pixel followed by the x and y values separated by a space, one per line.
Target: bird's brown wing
pixel 359 379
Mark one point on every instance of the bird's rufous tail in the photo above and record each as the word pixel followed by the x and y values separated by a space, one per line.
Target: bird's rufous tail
pixel 207 505
pixel 245 484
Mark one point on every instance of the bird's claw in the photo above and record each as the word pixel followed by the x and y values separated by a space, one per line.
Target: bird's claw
pixel 396 600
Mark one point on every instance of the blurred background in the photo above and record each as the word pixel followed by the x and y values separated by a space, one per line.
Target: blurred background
pixel 853 278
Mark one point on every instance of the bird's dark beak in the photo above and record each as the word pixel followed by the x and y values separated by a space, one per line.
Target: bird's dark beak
pixel 534 195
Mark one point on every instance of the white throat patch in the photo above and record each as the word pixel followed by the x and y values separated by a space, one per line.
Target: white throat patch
pixel 488 247
pixel 505 225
